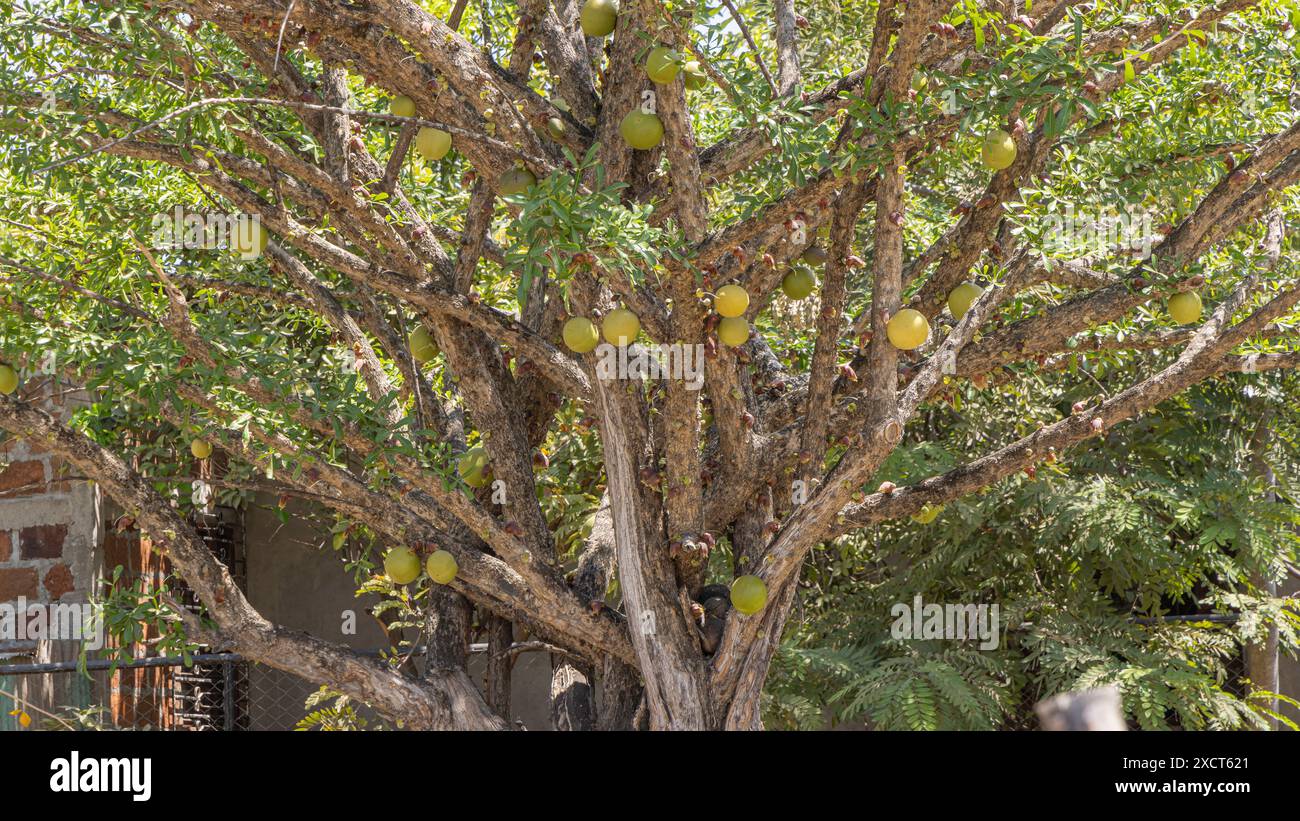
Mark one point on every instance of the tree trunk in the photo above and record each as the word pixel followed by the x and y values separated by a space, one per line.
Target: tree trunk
pixel 500 664
pixel 572 703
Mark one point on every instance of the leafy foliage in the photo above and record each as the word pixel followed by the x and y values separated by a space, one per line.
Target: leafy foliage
pixel 1187 512
pixel 1099 566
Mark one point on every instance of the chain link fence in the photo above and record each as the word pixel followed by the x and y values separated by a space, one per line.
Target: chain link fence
pixel 217 691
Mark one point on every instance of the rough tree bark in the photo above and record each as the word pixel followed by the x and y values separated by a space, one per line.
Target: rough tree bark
pixel 352 248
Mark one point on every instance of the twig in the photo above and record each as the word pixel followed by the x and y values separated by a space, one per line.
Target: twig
pixel 525 646
pixel 279 41
pixel 24 705
pixel 295 104
pixel 395 160
pixel 68 285
pixel 753 47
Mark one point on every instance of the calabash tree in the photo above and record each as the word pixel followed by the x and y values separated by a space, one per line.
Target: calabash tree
pixel 793 190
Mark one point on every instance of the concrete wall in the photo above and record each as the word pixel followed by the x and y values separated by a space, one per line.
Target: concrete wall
pixel 295 578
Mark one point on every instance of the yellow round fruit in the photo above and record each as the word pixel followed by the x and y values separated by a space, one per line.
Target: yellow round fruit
pixel 422 346
pixel 748 594
pixel 1185 307
pixel 201 448
pixel 441 566
pixel 402 565
pixel 556 128
pixel 798 283
pixel 733 331
pixel 620 327
pixel 927 514
pixel 248 238
pixel 731 301
pixel 8 380
pixel 663 64
pixel 580 335
pixel 696 78
pixel 472 467
pixel 642 130
pixel 999 150
pixel 515 181
pixel 962 297
pixel 432 143
pixel 598 17
pixel 401 106
pixel 908 329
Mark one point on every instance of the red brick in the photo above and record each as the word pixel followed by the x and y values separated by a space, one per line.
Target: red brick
pixel 6 545
pixel 22 478
pixel 59 581
pixel 42 541
pixel 17 581
pixel 59 471
pixel 59 468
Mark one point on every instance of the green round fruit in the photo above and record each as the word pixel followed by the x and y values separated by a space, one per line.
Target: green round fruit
pixel 663 65
pixel 962 297
pixel 799 283
pixel 8 380
pixel 402 565
pixel 908 329
pixel 432 143
pixel 815 255
pixel 731 301
pixel 999 150
pixel 919 81
pixel 556 128
pixel 1185 307
pixel 441 566
pixel 733 331
pixel 401 106
pixel 515 181
pixel 620 327
pixel 472 467
pixel 748 594
pixel 641 130
pixel 248 238
pixel 696 77
pixel 422 346
pixel 201 448
pixel 580 335
pixel 598 17
pixel 927 514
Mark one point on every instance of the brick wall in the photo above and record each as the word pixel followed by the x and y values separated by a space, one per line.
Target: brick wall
pixel 49 527
pixel 49 519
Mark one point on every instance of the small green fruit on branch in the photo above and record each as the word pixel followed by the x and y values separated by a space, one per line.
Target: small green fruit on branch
pixel 441 566
pixel 598 17
pixel 748 594
pixel 401 565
